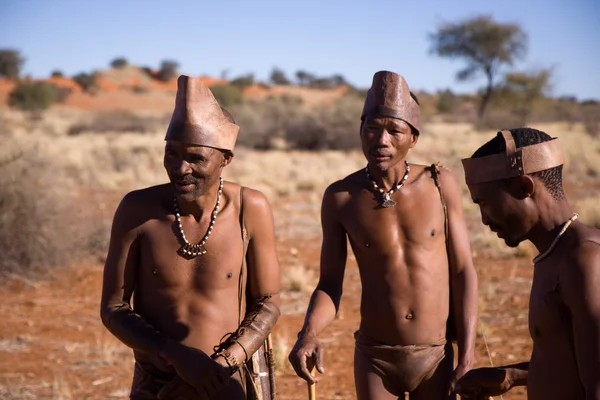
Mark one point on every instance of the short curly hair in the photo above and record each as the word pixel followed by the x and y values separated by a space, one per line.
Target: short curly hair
pixel 551 178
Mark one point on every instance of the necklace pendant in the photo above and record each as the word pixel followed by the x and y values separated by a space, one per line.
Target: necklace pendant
pixel 387 201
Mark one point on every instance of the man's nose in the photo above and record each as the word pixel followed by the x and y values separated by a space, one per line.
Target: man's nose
pixel 383 139
pixel 183 168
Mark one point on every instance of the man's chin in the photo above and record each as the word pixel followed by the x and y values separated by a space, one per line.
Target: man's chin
pixel 512 242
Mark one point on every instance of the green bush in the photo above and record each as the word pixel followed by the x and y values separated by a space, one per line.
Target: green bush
pixel 10 63
pixel 87 82
pixel 227 95
pixel 119 63
pixel 35 96
pixel 168 70
pixel 243 81
pixel 446 102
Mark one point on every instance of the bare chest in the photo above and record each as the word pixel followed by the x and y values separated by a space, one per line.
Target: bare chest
pixel 163 262
pixel 417 220
pixel 549 319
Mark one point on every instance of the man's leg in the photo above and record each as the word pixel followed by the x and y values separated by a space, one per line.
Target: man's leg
pixel 369 385
pixel 436 387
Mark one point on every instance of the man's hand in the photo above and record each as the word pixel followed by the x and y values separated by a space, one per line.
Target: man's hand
pixel 482 383
pixel 307 352
pixel 207 376
pixel 457 374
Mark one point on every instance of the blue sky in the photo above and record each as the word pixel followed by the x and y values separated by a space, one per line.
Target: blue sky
pixel 324 37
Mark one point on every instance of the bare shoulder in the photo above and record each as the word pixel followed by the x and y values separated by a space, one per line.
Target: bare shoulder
pixel 584 258
pixel 140 202
pixel 342 189
pixel 586 252
pixel 254 199
pixel 446 178
pixel 256 206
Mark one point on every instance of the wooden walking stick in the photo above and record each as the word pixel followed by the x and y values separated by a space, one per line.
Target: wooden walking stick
pixel 312 387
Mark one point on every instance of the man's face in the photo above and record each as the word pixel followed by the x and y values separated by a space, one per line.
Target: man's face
pixel 192 169
pixel 501 211
pixel 386 141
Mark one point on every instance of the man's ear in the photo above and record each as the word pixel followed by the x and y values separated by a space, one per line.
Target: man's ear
pixel 227 157
pixel 523 186
pixel 414 140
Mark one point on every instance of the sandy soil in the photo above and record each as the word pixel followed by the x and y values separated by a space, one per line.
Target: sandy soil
pixel 53 345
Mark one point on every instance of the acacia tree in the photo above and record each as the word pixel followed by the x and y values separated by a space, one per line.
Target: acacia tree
pixel 484 44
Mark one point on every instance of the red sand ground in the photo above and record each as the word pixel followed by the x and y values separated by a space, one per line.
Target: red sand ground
pixel 53 345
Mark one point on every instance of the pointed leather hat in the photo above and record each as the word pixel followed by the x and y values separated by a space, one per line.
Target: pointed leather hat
pixel 389 96
pixel 198 119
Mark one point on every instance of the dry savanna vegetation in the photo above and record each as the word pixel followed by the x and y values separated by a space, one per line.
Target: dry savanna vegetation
pixel 64 172
pixel 72 147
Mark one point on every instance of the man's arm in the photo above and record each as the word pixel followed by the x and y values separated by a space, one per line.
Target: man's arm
pixel 580 282
pixel 492 381
pixel 263 281
pixel 325 300
pixel 463 278
pixel 119 281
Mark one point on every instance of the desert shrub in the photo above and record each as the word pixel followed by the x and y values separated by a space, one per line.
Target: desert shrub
pixel 278 77
pixel 328 127
pixel 32 96
pixel 168 70
pixel 497 118
pixel 263 123
pixel 42 222
pixel 10 63
pixel 119 63
pixel 446 102
pixel 591 117
pixel 61 93
pixel 243 81
pixel 57 74
pixel 121 121
pixel 227 95
pixel 86 81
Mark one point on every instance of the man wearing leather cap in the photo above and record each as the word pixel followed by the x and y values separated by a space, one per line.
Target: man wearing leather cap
pixel 198 256
pixel 516 179
pixel 406 228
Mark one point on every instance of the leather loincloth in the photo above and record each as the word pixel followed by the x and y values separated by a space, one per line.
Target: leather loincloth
pixel 401 368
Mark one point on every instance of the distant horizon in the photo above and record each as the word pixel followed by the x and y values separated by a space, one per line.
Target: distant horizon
pixel 323 38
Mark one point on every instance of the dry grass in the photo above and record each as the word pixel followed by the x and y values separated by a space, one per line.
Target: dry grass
pixel 61 390
pixel 281 349
pixel 589 210
pixel 298 278
pixel 114 163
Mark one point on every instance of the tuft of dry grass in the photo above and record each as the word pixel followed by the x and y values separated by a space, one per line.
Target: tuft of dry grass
pixel 297 278
pixel 61 390
pixel 281 349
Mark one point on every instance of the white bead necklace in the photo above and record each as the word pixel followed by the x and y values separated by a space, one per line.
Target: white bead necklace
pixel 198 249
pixel 387 201
pixel 540 257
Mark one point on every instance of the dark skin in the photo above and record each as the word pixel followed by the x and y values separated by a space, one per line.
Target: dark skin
pixel 402 259
pixel 191 303
pixel 564 306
